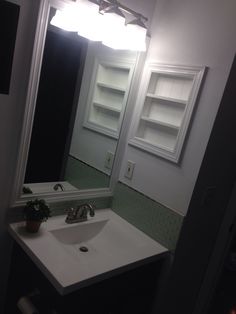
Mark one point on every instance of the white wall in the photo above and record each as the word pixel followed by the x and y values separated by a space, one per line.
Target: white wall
pixel 187 32
pixel 11 111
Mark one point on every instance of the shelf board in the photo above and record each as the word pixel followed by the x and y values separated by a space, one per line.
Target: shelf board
pixel 100 125
pixel 106 107
pixel 101 129
pixel 162 123
pixel 148 145
pixel 113 87
pixel 167 99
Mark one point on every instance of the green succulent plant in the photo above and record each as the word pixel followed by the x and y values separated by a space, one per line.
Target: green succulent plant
pixel 36 210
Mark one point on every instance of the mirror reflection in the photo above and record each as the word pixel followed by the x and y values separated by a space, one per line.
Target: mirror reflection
pixel 81 100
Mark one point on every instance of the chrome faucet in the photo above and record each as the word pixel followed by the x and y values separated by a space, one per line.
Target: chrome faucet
pixel 58 186
pixel 80 213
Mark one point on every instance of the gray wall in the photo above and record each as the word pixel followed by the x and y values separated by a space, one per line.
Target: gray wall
pixel 11 110
pixel 187 32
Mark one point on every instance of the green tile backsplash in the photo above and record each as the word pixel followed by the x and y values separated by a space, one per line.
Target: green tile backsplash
pixel 99 203
pixel 58 208
pixel 83 176
pixel 159 222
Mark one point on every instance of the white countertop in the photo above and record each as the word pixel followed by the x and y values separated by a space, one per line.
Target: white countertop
pixel 119 246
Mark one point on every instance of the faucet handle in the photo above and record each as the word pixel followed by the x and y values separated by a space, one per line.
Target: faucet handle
pixel 70 212
pixel 92 208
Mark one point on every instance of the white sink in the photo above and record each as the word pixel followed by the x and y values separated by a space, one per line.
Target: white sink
pixel 79 233
pixel 76 255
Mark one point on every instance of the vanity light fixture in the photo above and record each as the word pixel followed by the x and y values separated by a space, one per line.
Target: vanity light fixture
pixel 66 19
pixel 90 21
pixel 103 20
pixel 136 35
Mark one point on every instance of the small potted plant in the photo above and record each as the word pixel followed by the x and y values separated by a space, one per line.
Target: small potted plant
pixel 35 212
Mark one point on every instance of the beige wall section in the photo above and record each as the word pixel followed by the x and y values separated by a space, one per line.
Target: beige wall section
pixel 11 113
pixel 187 32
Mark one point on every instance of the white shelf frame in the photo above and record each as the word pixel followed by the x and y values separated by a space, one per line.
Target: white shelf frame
pixel 92 103
pixel 193 73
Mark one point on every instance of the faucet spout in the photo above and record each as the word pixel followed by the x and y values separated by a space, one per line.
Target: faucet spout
pixel 58 186
pixel 82 211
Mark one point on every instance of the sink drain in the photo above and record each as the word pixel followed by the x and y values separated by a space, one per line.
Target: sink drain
pixel 83 249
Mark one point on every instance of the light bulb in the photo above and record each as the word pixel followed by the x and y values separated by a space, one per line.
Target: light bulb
pixel 136 36
pixel 114 28
pixel 90 21
pixel 66 18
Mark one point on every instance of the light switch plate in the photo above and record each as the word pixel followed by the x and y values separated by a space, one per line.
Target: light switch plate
pixel 129 169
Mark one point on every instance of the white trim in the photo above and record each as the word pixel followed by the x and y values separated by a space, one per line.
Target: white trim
pixel 30 100
pixel 125 126
pixel 65 196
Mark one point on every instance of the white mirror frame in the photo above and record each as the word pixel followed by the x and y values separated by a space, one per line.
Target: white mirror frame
pixel 17 198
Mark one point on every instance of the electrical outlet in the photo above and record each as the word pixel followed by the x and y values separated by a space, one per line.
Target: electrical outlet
pixel 129 169
pixel 109 160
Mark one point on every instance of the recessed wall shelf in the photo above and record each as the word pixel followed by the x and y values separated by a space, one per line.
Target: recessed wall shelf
pixel 108 96
pixel 164 109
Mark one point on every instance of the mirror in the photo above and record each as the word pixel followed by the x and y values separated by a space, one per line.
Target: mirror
pixel 81 99
pixel 78 98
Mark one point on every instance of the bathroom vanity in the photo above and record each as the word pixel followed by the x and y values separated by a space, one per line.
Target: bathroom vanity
pixel 105 262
